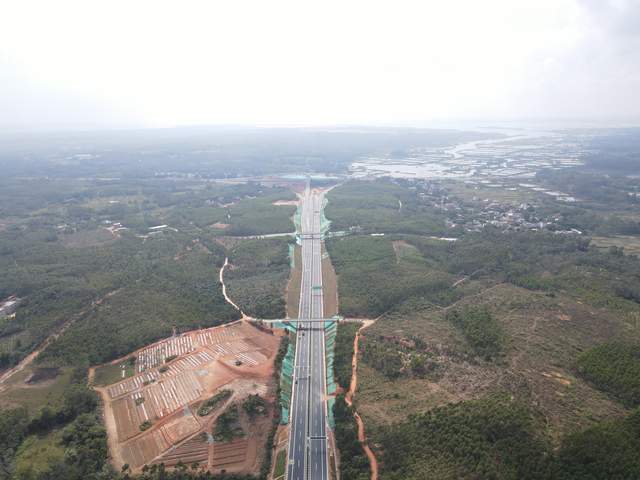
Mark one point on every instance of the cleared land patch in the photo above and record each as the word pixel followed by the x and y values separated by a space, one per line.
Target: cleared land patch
pixel 543 336
pixel 630 244
pixel 155 416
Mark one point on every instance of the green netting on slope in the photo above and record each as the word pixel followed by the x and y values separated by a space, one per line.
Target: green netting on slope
pixel 330 330
pixel 286 382
pixel 297 217
pixel 292 255
pixel 285 325
pixel 325 223
pixel 339 233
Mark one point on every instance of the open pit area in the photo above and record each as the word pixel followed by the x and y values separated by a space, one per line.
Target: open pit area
pixel 157 416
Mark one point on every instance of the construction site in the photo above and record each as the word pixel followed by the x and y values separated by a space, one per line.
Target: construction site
pixel 188 388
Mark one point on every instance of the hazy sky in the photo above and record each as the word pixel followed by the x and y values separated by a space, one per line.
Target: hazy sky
pixel 160 63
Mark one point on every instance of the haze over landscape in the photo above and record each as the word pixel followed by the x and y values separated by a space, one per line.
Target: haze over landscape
pixel 158 64
pixel 320 240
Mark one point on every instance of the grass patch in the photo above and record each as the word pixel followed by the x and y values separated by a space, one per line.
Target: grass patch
pixel 37 452
pixel 281 464
pixel 33 397
pixel 112 373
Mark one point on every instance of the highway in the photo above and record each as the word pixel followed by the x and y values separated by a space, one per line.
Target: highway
pixel 307 455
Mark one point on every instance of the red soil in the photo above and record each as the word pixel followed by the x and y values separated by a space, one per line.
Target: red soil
pixel 373 462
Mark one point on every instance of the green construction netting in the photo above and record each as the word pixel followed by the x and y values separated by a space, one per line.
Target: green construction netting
pixel 292 255
pixel 286 381
pixel 325 223
pixel 330 330
pixel 297 217
pixel 339 233
pixel 285 325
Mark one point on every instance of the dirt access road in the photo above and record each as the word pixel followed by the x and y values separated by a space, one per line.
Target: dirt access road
pixel 28 360
pixel 373 462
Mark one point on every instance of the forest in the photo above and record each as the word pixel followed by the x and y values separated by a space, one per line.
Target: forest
pixel 382 206
pixel 615 368
pixel 81 256
pixel 353 461
pixel 372 280
pixel 496 438
pixel 375 273
pixel 257 276
pixel 343 353
pixel 481 330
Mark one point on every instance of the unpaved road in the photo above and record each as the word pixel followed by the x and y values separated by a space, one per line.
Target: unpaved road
pixel 26 361
pixel 224 287
pixel 373 462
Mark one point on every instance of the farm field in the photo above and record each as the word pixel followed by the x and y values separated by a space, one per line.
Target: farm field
pixel 154 416
pixel 630 244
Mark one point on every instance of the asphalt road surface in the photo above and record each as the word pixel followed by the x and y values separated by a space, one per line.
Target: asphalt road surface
pixel 307 454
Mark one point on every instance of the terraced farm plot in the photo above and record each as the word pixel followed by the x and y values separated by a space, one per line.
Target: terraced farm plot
pixel 196 449
pixel 230 453
pixel 152 417
pixel 159 352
